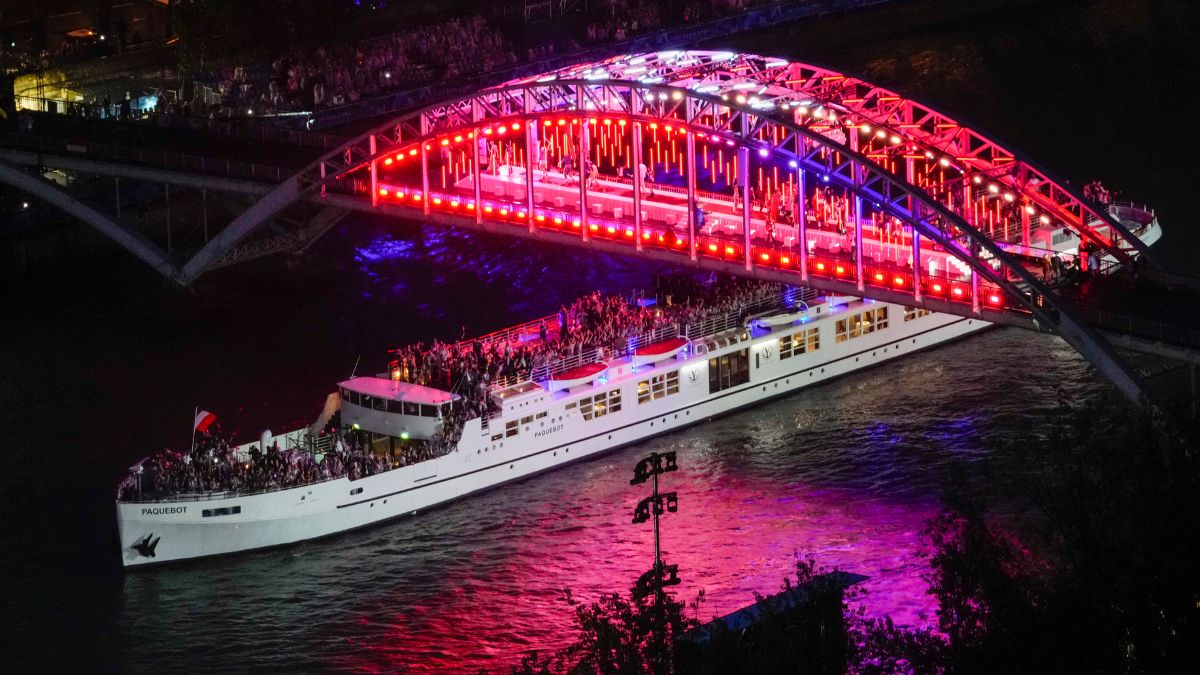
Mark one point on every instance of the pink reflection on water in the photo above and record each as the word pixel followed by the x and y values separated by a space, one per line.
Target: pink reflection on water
pixel 733 536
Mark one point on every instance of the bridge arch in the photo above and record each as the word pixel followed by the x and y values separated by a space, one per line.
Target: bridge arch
pixel 959 196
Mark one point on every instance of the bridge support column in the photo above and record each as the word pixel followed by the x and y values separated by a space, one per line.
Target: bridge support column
pixel 857 215
pixel 371 146
pixel 167 196
pixel 637 175
pixel 425 166
pixel 910 172
pixel 581 160
pixel 975 305
pixel 916 264
pixel 425 178
pixel 801 214
pixel 1025 228
pixel 532 150
pixel 692 201
pixel 858 245
pixel 476 172
pixel 744 175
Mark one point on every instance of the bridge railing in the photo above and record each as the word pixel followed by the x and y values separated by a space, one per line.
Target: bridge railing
pixel 1144 328
pixel 241 127
pixel 156 158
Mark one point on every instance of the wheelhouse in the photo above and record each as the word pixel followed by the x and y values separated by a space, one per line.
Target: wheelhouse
pixel 392 408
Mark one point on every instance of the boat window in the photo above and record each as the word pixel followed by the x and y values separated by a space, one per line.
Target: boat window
pixel 527 419
pixel 540 415
pixel 728 371
pixel 812 338
pixel 911 313
pixel 365 401
pixel 862 323
pixel 658 387
pixel 223 511
pixel 428 410
pixel 510 429
pixel 345 395
pixel 411 409
pixel 807 340
pixel 380 403
pixel 394 406
pixel 354 398
pixel 785 347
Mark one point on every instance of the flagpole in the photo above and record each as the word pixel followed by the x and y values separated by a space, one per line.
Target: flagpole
pixel 195 411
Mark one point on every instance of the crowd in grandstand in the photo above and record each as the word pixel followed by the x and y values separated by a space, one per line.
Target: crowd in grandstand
pixel 436 52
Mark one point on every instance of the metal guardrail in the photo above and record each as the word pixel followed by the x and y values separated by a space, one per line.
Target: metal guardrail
pixel 160 159
pixel 734 319
pixel 657 335
pixel 240 127
pixel 512 332
pixel 1143 328
pixel 548 370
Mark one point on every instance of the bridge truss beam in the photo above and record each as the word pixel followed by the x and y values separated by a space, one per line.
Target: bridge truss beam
pixel 945 211
pixel 128 238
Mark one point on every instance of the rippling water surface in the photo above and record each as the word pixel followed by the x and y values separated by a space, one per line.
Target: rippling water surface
pixel 100 369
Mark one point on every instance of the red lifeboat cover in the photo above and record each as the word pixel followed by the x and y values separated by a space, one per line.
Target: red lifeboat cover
pixel 663 347
pixel 581 372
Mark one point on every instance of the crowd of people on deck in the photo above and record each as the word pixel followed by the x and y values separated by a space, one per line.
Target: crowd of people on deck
pixel 594 327
pixel 1096 191
pixel 214 465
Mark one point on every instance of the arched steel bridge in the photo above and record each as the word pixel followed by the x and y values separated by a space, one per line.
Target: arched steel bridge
pixel 874 194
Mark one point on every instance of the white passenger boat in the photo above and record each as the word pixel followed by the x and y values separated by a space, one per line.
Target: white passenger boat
pixel 709 368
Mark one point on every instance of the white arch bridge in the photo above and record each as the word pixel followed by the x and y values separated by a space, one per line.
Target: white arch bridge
pixel 854 189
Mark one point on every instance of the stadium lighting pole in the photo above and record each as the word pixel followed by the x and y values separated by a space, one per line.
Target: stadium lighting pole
pixel 652 507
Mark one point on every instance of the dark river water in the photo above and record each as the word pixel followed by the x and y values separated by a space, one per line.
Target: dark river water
pixel 99 368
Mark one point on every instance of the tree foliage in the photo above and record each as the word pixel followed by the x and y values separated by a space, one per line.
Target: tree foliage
pixel 620 635
pixel 1112 586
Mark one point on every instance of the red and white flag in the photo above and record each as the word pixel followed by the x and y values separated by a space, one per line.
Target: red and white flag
pixel 204 420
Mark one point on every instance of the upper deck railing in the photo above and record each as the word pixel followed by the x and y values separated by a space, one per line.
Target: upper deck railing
pixel 732 319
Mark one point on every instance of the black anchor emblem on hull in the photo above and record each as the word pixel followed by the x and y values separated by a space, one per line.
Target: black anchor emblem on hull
pixel 145 547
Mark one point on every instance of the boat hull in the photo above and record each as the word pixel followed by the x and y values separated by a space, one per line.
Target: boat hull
pixel 183 531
